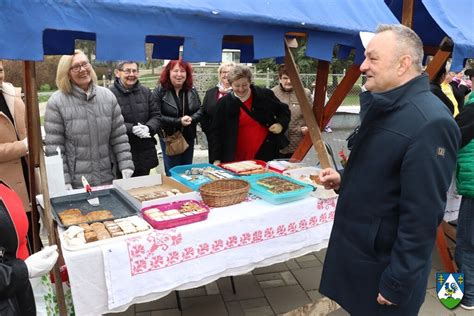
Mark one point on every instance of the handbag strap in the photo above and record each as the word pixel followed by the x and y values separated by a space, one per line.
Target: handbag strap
pixel 250 113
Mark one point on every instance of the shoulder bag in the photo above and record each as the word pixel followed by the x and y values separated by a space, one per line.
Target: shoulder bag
pixel 176 144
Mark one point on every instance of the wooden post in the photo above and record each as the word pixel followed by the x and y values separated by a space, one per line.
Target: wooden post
pixel 320 89
pixel 344 87
pixel 407 13
pixel 334 102
pixel 308 114
pixel 441 56
pixel 36 159
pixel 443 251
pixel 33 131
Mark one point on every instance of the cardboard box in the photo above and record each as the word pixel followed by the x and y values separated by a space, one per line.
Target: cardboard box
pixel 145 184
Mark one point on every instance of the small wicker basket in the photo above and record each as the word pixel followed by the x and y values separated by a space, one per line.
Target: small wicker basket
pixel 224 192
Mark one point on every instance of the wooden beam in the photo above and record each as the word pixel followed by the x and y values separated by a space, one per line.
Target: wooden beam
pixel 436 63
pixel 407 13
pixel 238 39
pixel 306 109
pixel 320 89
pixel 442 245
pixel 36 159
pixel 344 87
pixel 341 92
pixel 34 142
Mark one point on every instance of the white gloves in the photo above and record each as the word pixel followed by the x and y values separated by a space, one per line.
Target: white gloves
pixel 25 142
pixel 216 162
pixel 42 262
pixel 127 173
pixel 141 131
pixel 68 186
pixel 276 128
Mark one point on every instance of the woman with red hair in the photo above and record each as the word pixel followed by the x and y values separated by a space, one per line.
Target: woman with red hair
pixel 180 109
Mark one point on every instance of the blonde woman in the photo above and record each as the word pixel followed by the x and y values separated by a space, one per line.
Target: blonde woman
pixel 210 100
pixel 84 120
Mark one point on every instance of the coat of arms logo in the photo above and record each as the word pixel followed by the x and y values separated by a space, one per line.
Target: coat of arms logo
pixel 450 288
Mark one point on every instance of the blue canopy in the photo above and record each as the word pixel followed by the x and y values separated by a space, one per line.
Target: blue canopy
pixel 435 19
pixel 31 29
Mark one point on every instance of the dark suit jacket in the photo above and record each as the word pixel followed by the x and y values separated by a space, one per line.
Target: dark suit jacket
pixel 391 200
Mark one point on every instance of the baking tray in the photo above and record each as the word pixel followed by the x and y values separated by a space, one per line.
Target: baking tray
pixel 110 199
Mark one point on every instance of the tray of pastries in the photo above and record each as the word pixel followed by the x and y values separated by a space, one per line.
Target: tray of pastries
pixel 87 235
pixel 245 167
pixel 174 214
pixel 196 175
pixel 277 189
pixel 152 193
pixel 74 209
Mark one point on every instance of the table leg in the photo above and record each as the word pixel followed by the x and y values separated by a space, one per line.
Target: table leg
pixel 178 300
pixel 233 284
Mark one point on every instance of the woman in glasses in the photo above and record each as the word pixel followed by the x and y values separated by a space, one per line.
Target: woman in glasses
pixel 141 114
pixel 210 100
pixel 85 122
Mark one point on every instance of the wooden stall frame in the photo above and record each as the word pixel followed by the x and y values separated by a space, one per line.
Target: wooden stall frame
pixel 351 77
pixel 36 160
pixel 314 130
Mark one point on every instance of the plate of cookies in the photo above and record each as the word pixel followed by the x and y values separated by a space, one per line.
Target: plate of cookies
pixel 174 214
pixel 74 209
pixel 84 235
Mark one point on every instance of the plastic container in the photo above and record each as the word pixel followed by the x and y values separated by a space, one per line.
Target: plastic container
pixel 184 220
pixel 278 198
pixel 303 175
pixel 258 162
pixel 178 173
pixel 281 165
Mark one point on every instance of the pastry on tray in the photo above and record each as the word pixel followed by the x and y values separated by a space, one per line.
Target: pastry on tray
pixel 244 167
pixel 72 218
pixel 277 185
pixel 99 215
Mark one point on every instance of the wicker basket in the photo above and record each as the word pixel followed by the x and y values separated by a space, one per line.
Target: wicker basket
pixel 224 192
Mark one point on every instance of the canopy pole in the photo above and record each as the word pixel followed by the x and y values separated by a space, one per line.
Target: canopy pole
pixel 308 114
pixel 320 89
pixel 407 13
pixel 341 92
pixel 32 120
pixel 351 77
pixel 36 159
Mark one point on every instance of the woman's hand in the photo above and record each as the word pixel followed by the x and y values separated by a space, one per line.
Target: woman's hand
pixel 186 120
pixel 304 130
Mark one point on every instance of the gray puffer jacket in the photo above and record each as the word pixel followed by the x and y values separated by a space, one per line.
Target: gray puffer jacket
pixel 90 131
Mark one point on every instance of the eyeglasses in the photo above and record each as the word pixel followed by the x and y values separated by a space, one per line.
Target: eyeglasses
pixel 129 71
pixel 77 68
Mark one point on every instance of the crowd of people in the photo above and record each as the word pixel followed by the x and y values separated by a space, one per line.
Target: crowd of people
pixel 390 201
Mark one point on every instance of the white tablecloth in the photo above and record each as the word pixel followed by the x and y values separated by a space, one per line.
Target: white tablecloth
pixel 232 241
